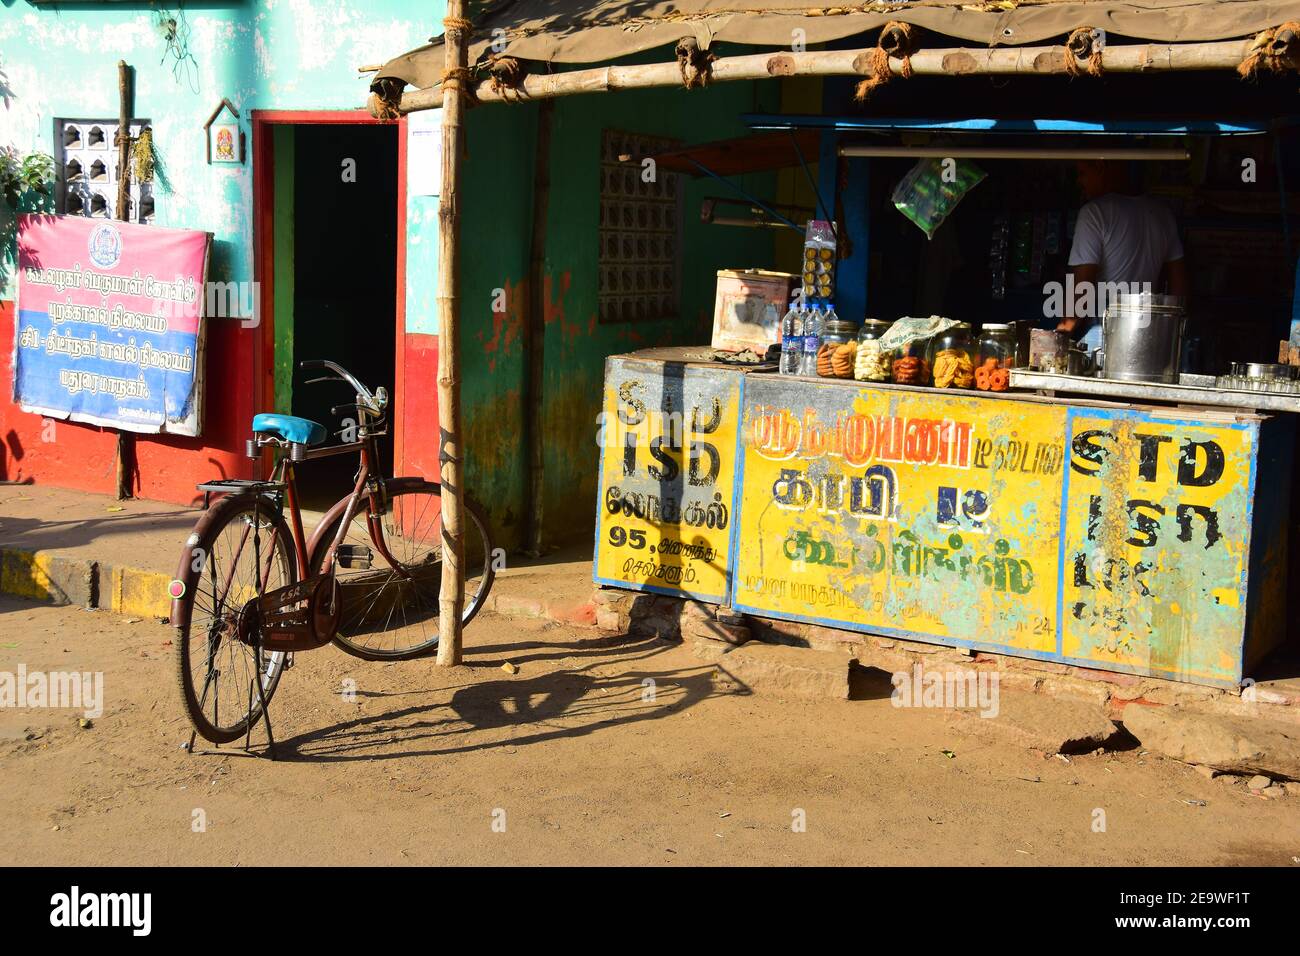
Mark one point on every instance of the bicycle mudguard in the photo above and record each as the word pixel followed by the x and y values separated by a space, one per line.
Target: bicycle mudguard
pixel 192 561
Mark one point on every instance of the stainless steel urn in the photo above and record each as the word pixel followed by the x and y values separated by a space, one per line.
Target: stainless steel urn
pixel 1142 338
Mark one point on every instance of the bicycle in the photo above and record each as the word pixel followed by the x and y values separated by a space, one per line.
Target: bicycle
pixel 251 590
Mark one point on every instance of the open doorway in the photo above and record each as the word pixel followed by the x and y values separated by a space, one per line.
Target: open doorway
pixel 335 279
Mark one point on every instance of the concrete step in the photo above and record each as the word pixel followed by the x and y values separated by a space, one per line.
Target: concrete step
pixel 792 672
pixel 1051 725
pixel 1238 745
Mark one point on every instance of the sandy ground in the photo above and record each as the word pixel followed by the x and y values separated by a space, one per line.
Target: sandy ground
pixel 568 761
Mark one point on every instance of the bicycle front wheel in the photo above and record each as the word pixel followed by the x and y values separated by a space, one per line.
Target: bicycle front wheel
pixel 390 609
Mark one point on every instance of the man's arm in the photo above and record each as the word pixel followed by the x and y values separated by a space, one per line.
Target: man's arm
pixel 1085 275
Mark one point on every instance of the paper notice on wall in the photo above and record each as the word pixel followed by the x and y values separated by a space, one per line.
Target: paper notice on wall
pixel 424 153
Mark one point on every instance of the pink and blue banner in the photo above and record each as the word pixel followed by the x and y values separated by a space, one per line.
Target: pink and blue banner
pixel 110 323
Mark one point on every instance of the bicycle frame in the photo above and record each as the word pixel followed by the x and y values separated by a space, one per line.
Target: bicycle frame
pixel 363 487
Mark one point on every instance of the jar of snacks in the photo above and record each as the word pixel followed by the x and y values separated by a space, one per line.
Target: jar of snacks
pixel 835 358
pixel 910 365
pixel 873 363
pixel 997 356
pixel 952 358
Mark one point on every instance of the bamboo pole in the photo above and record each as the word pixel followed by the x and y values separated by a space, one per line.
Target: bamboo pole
pixel 125 440
pixel 451 598
pixel 957 61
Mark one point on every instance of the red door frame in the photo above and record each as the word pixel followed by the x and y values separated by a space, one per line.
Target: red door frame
pixel 264 248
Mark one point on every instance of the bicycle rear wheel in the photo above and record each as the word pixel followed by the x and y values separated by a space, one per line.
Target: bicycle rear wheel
pixel 390 612
pixel 218 576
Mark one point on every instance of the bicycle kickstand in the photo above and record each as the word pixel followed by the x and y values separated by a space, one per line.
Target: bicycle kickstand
pixel 266 716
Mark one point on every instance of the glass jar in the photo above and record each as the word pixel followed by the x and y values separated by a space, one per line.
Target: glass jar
pixel 952 358
pixel 839 345
pixel 872 363
pixel 910 364
pixel 997 355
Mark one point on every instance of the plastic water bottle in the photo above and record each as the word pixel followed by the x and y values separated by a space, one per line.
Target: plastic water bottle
pixel 812 340
pixel 792 339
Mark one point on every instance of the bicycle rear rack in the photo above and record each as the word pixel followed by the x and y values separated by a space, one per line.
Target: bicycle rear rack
pixel 235 486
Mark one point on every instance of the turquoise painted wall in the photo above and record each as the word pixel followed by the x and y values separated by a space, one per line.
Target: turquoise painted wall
pixel 60 60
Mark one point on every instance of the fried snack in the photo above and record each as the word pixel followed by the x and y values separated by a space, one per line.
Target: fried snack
pixel 842 359
pixel 1000 379
pixel 983 374
pixel 910 370
pixel 824 360
pixel 953 369
pixel 872 363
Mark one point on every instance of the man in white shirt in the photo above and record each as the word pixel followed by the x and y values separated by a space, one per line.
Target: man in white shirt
pixel 1122 243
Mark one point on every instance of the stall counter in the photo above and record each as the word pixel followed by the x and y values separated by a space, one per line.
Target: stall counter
pixel 1142 539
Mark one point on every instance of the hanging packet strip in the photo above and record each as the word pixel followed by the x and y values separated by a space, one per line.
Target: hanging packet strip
pixel 930 191
pixel 819 260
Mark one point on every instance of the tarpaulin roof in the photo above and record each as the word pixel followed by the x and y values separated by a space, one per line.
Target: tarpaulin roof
pixel 561 31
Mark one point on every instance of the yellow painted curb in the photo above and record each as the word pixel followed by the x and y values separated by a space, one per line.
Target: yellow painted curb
pixel 135 593
pixel 46 576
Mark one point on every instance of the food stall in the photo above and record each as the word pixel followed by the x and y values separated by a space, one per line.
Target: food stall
pixel 1140 538
pixel 925 480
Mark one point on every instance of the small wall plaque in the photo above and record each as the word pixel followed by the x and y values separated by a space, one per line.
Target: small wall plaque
pixel 225 138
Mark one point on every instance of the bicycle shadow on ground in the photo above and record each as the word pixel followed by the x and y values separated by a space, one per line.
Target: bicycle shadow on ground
pixel 519 712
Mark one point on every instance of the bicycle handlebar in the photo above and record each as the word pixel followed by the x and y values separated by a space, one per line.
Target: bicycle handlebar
pixel 341 374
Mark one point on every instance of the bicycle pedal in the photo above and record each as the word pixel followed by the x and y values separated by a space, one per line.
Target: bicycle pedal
pixel 355 557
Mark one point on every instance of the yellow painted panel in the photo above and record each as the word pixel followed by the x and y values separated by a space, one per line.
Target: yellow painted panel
pixel 668 440
pixel 933 514
pixel 1157 544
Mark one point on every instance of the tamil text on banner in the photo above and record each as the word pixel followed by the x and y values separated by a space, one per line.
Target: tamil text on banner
pixel 110 323
pixel 667 477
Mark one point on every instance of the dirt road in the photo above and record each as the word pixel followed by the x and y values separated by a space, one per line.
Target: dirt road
pixel 599 750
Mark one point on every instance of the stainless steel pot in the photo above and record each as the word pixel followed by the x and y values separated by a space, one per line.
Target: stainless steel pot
pixel 1142 338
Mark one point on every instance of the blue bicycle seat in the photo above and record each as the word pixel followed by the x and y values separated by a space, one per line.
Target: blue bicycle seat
pixel 302 431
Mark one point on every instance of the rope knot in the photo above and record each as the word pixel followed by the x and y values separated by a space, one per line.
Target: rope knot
pixel 460 81
pixel 388 97
pixel 507 74
pixel 1083 52
pixel 896 40
pixel 459 26
pixel 696 64
pixel 1276 49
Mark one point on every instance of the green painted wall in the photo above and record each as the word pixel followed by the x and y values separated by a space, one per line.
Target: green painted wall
pixel 283 290
pixel 495 237
pixel 495 233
